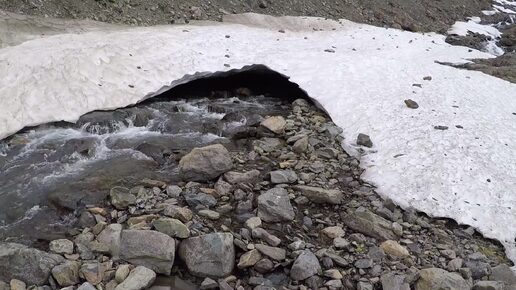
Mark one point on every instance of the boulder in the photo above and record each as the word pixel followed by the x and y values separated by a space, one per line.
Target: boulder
pixel 66 274
pixel 29 265
pixel 305 266
pixel 321 195
pixel 438 279
pixel 151 249
pixel 172 227
pixel 206 163
pixel 234 177
pixel 211 255
pixel 139 278
pixel 274 206
pixel 275 124
pixel 62 246
pixel 370 224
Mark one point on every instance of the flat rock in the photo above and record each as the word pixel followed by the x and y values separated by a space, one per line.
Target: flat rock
pixel 139 278
pixel 249 259
pixel 489 285
pixel 305 266
pixel 394 249
pixel 234 177
pixel 283 176
pixel 29 265
pixel 274 253
pixel 151 249
pixel 274 206
pixel 206 163
pixel 438 279
pixel 211 255
pixel 370 224
pixel 321 195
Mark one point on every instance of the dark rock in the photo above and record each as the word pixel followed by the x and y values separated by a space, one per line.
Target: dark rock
pixel 441 127
pixel 364 140
pixel 274 206
pixel 411 104
pixel 283 176
pixel 306 265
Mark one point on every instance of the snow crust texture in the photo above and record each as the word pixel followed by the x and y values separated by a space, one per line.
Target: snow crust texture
pixel 360 74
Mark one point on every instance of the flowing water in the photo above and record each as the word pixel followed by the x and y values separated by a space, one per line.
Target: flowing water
pixel 49 172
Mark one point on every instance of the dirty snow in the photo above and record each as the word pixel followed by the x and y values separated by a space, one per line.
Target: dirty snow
pixel 466 174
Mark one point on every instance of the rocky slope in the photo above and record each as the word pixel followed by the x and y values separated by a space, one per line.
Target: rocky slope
pixel 285 209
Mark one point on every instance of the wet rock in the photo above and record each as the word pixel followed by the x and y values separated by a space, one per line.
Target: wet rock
pixel 436 279
pixel 274 253
pixel 306 265
pixel 26 264
pixel 301 145
pixel 206 163
pixel 489 285
pixel 394 249
pixel 274 206
pixel 211 255
pixel 283 176
pixel 62 246
pixel 121 197
pixel 275 124
pixel 66 274
pixel 321 195
pixel 391 281
pixel 364 140
pixel 411 104
pixel 370 224
pixel 503 273
pixel 251 176
pixel 172 227
pixel 249 259
pixel 151 249
pixel 139 278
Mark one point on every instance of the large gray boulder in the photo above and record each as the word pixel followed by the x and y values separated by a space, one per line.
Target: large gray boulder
pixel 206 163
pixel 139 278
pixel 274 206
pixel 211 255
pixel 321 195
pixel 29 265
pixel 370 224
pixel 305 266
pixel 438 279
pixel 151 249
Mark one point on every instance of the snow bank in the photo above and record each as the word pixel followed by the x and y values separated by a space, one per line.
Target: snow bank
pixel 466 174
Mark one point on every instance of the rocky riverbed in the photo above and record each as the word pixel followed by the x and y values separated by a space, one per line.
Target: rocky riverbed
pixel 273 202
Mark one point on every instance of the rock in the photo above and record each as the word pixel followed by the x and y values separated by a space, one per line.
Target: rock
pixel 172 227
pixel 274 206
pixel 17 285
pixel 274 253
pixel 200 200
pixel 206 163
pixel 174 191
pixel 26 264
pixel 242 177
pixel 321 195
pixel 209 283
pixel 370 224
pixel 333 232
pixel 437 279
pixel 503 273
pixel 333 274
pixel 340 243
pixel 253 223
pixel 489 285
pixel 139 278
pixel 262 4
pixel 122 272
pixel 275 124
pixel 455 264
pixel 264 266
pixel 211 255
pixel 394 249
pixel 66 274
pixel 151 249
pixel 223 188
pixel 109 239
pixel 86 286
pixel 268 144
pixel 411 104
pixel 259 233
pixel 62 246
pixel 94 272
pixel 283 176
pixel 306 265
pixel 478 264
pixel 181 213
pixel 364 263
pixel 301 145
pixel 442 128
pixel 249 259
pixel 210 214
pixel 392 281
pixel 121 197
pixel 364 140
pixel 4 286
pixel 364 286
